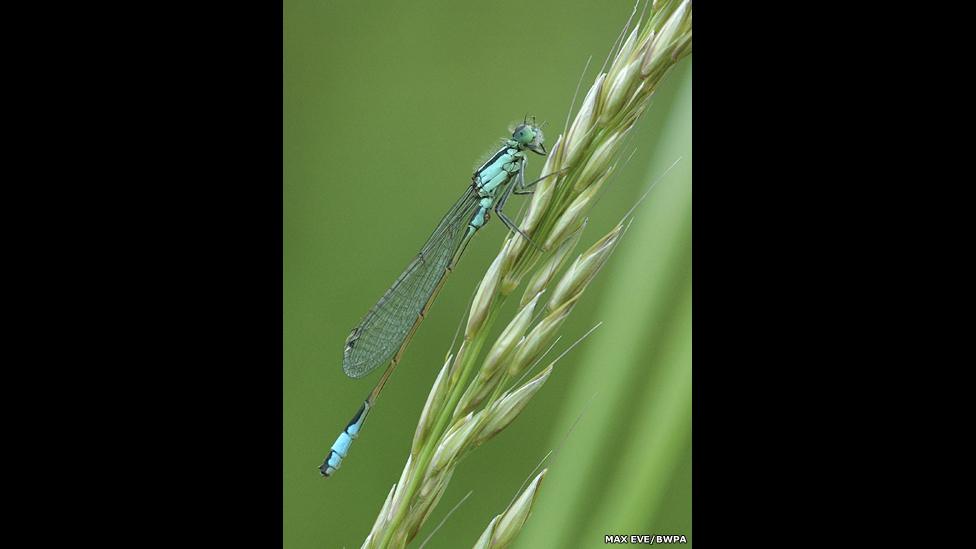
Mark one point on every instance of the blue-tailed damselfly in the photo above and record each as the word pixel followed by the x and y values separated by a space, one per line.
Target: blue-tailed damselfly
pixel 386 330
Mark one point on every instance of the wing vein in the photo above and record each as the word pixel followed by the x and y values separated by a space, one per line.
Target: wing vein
pixel 384 327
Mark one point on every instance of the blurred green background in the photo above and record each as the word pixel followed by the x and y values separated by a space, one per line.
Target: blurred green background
pixel 388 108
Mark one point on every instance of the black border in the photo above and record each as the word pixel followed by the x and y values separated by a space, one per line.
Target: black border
pixel 179 336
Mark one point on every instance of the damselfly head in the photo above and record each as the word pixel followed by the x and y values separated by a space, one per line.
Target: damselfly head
pixel 529 136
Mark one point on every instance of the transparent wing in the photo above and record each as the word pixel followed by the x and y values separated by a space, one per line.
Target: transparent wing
pixel 382 331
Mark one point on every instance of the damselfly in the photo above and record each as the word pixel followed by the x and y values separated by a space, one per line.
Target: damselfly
pixel 385 331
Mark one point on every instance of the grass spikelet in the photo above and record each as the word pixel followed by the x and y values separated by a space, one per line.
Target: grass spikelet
pixel 453 443
pixel 537 340
pixel 545 273
pixel 573 217
pixel 585 268
pixel 499 354
pixel 509 523
pixel 434 401
pixel 484 542
pixel 505 410
pixel 582 126
pixel 485 296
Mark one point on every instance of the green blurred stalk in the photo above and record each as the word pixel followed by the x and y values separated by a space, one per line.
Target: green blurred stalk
pixel 661 432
